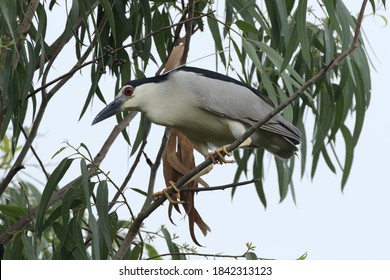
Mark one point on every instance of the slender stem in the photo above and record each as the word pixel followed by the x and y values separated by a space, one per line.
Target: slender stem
pixel 222 187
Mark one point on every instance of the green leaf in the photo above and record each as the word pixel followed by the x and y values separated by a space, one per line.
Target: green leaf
pixel 159 38
pixel 330 8
pixel 290 48
pixel 133 254
pixel 110 16
pixel 329 43
pixel 102 209
pixel 59 151
pixel 283 18
pixel 28 247
pixel 302 31
pixel 282 178
pixel 349 147
pixel 140 191
pixel 152 252
pixel 252 53
pixel 303 257
pixel 246 27
pixel 143 130
pixel 50 187
pixel 8 11
pixel 258 172
pixel 91 217
pixel 251 256
pixel 268 86
pixel 14 248
pixel 215 33
pixel 173 249
pixel 328 160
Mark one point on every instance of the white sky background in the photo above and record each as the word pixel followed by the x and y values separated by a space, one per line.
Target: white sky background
pixel 325 223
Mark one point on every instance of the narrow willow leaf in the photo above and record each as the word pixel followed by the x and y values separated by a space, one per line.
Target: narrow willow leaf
pixel 362 93
pixel 288 111
pixel 28 247
pixel 328 160
pixel 72 17
pixel 133 254
pixel 216 34
pixel 250 256
pixel 268 86
pixel 246 27
pixel 349 148
pixel 152 252
pixel 252 53
pixel 258 173
pixel 102 209
pixel 14 248
pixel 91 217
pixel 277 60
pixel 110 16
pixel 330 8
pixel 340 111
pixel 303 146
pixel 329 43
pixel 8 11
pixel 76 240
pixel 302 31
pixel 325 118
pixel 291 47
pixel 173 249
pixel 315 158
pixel 143 130
pixel 273 15
pixel 159 38
pixel 345 20
pixel 50 187
pixel 283 17
pixel 282 178
pixel 140 191
pixel 303 257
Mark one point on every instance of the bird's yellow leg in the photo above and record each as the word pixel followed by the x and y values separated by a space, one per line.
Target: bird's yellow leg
pixel 171 189
pixel 176 191
pixel 218 156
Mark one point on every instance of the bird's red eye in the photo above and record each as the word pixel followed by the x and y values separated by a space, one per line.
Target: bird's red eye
pixel 128 90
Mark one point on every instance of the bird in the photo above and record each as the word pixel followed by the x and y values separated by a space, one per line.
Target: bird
pixel 209 108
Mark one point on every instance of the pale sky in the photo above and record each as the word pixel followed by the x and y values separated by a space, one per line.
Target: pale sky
pixel 325 223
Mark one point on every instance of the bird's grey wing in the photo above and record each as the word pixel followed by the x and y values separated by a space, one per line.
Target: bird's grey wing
pixel 241 103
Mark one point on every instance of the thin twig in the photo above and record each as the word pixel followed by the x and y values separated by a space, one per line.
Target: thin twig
pixel 35 153
pixel 222 187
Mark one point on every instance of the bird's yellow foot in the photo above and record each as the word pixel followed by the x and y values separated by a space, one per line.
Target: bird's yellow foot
pixel 218 156
pixel 172 193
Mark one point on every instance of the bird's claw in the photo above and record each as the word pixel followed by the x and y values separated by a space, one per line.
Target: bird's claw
pixel 218 156
pixel 168 192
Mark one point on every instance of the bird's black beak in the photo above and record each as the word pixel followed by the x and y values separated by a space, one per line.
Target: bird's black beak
pixel 110 110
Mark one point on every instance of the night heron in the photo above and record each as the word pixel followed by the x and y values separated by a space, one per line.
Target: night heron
pixel 211 109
